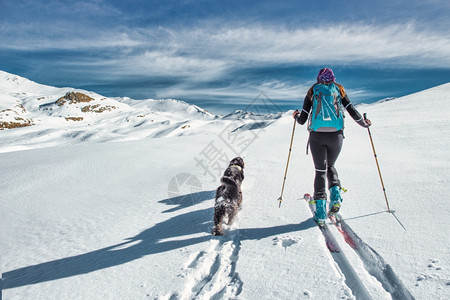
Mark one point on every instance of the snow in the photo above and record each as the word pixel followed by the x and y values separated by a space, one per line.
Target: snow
pixel 120 205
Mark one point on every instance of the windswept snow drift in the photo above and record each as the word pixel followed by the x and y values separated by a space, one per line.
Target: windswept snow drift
pixel 84 218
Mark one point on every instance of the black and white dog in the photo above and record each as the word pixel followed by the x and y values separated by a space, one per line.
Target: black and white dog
pixel 228 195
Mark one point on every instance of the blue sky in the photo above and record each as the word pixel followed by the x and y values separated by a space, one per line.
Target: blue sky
pixel 222 54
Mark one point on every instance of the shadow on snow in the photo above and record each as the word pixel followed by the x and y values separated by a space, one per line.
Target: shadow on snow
pixel 184 201
pixel 151 241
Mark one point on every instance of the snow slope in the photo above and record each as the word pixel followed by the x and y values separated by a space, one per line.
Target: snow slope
pixel 108 211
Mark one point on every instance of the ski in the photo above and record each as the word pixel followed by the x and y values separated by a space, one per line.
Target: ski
pixel 373 262
pixel 329 239
pixel 336 219
pixel 351 277
pixel 376 265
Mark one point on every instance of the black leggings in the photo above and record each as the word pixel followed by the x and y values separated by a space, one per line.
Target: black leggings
pixel 325 148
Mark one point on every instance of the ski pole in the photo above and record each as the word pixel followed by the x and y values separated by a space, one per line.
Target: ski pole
pixel 378 166
pixel 280 199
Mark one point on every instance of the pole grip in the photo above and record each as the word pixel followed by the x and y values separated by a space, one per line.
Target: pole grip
pixel 365 116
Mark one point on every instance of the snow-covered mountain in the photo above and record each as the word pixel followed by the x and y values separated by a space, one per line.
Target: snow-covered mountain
pixel 132 219
pixel 50 116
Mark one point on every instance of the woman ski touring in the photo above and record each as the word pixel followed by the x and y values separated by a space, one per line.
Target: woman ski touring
pixel 324 108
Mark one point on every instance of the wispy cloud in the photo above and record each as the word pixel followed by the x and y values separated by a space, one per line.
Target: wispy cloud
pixel 172 49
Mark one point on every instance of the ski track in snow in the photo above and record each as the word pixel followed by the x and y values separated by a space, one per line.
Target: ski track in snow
pixel 211 274
pixel 351 279
pixel 377 267
pixel 374 264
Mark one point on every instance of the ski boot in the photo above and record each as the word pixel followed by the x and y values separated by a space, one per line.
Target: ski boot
pixel 335 199
pixel 320 215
